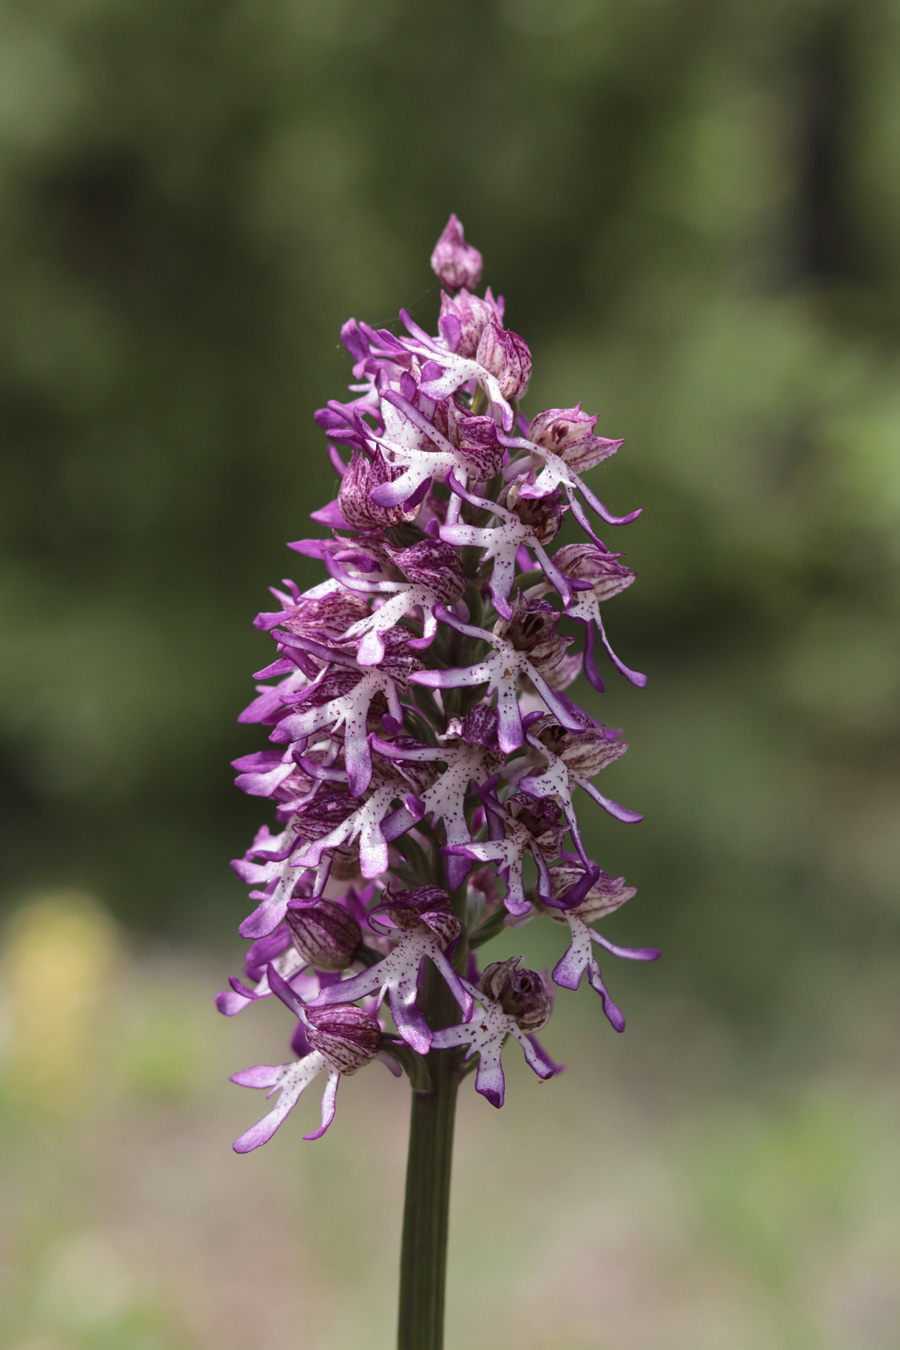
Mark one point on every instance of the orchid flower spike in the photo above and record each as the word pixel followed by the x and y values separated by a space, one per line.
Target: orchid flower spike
pixel 428 764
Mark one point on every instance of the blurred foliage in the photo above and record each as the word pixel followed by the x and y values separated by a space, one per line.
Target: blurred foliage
pixel 693 209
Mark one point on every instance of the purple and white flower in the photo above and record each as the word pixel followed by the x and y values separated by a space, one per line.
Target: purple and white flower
pixel 340 1041
pixel 425 925
pixel 604 894
pixel 418 715
pixel 511 1002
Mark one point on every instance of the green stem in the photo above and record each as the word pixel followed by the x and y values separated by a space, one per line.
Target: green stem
pixel 423 1253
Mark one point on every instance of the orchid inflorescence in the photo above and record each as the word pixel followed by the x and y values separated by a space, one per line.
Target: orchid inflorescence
pixel 424 744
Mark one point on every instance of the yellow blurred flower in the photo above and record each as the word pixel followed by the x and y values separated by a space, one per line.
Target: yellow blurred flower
pixel 60 952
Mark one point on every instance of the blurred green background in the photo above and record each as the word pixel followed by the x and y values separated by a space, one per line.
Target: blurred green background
pixel 693 210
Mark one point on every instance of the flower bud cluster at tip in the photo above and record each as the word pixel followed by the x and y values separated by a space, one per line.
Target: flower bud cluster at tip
pixel 425 751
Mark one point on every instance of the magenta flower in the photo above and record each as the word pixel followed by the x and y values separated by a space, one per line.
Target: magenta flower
pixel 427 762
pixel 338 1041
pixel 425 924
pixel 512 1002
pixel 603 895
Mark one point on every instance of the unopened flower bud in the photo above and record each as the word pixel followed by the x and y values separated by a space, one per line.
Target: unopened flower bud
pixel 522 994
pixel 569 433
pixel 455 262
pixel 507 357
pixel 483 882
pixel 325 934
pixel 344 1034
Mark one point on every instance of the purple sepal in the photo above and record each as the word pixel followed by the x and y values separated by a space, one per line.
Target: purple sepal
pixel 506 356
pixel 300 1041
pixel 262 772
pixel 451 331
pixel 330 515
pixel 390 1062
pixel 313 548
pixel 261 952
pixel 577 892
pixel 354 339
pixel 280 986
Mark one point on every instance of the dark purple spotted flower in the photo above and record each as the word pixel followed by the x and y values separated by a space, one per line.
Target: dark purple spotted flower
pixel 428 767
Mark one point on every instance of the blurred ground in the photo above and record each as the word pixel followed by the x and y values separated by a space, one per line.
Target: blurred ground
pixel 659 1192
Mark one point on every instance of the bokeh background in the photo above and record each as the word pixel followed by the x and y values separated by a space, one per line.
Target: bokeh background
pixel 693 210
